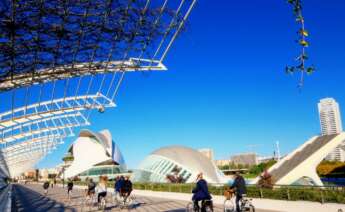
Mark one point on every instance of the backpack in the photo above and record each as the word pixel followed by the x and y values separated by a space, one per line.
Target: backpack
pixel 45 185
pixel 92 186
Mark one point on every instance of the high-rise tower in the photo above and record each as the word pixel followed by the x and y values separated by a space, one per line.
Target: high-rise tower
pixel 330 121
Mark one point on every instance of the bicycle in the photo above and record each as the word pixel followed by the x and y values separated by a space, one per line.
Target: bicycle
pixel 102 204
pixel 246 204
pixel 228 205
pixel 125 200
pixel 206 206
pixel 89 200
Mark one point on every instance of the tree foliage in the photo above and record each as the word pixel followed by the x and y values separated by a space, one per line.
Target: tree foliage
pixel 303 43
pixel 329 168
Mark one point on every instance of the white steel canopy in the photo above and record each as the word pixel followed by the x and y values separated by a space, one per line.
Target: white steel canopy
pixel 56 72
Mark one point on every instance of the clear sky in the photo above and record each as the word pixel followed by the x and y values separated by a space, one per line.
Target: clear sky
pixel 226 87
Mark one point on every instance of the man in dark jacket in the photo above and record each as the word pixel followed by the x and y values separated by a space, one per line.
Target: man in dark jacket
pixel 239 186
pixel 91 188
pixel 200 192
pixel 126 188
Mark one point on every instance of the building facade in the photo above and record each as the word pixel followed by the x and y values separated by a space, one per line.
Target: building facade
pixel 330 121
pixel 177 164
pixel 245 159
pixel 93 155
pixel 223 162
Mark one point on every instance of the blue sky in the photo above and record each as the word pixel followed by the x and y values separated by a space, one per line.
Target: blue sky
pixel 226 87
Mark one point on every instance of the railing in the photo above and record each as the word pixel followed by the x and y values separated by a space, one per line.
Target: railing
pixel 322 194
pixel 335 194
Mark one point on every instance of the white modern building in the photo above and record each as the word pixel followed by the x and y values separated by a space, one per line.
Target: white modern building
pixel 330 120
pixel 299 166
pixel 94 154
pixel 180 162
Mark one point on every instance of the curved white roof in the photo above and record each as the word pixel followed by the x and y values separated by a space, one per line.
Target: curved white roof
pixel 193 160
pixel 99 146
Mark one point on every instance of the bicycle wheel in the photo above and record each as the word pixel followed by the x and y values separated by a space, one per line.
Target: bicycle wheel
pixel 251 208
pixel 116 199
pixel 190 207
pixel 208 208
pixel 229 206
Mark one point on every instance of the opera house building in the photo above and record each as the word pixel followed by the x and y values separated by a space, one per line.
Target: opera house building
pixel 94 154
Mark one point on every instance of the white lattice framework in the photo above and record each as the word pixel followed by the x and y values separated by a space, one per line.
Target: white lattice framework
pixel 45 107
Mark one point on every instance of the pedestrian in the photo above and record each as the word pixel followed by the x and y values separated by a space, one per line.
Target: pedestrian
pixel 69 188
pixel 45 187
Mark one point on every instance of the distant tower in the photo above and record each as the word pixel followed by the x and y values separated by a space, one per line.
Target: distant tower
pixel 330 121
pixel 278 151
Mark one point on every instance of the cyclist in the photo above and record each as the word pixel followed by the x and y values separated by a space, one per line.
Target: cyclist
pixel 118 185
pixel 239 185
pixel 101 189
pixel 126 188
pixel 91 188
pixel 200 192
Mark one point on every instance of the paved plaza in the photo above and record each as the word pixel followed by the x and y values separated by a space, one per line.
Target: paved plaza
pixel 30 198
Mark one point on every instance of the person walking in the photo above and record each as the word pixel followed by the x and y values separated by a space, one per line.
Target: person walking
pixel 239 187
pixel 69 188
pixel 45 187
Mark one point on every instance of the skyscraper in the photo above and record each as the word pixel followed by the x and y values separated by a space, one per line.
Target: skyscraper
pixel 330 121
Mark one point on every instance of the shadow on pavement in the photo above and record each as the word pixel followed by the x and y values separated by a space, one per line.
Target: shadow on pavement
pixel 25 199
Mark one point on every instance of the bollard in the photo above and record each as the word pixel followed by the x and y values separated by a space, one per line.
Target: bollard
pixel 288 193
pixel 322 197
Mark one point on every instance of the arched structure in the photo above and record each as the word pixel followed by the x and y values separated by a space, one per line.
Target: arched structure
pixel 177 162
pixel 61 60
pixel 299 167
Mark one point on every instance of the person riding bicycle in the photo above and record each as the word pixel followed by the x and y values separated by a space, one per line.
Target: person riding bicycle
pixel 126 188
pixel 101 189
pixel 239 186
pixel 91 188
pixel 118 185
pixel 200 192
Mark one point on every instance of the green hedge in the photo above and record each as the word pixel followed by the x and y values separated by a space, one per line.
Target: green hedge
pixel 315 194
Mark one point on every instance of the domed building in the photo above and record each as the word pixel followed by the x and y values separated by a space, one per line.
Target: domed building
pixel 177 164
pixel 94 154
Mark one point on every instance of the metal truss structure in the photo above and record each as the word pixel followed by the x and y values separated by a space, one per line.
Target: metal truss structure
pixel 61 60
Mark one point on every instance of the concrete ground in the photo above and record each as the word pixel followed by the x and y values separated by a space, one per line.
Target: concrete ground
pixel 30 198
